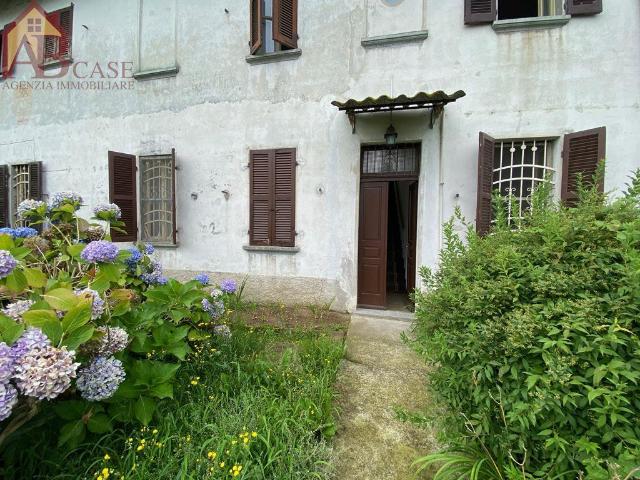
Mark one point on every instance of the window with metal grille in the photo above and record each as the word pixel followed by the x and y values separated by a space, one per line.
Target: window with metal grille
pixel 19 190
pixel 157 199
pixel 519 166
pixel 403 159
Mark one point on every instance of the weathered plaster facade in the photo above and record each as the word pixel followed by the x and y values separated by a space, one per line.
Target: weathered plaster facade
pixel 218 106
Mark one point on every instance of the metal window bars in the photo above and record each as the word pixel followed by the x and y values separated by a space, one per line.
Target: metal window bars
pixel 403 159
pixel 19 190
pixel 519 167
pixel 156 199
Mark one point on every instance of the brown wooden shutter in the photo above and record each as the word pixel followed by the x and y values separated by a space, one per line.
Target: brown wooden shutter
pixel 4 196
pixel 256 26
pixel 122 192
pixel 66 29
pixel 35 180
pixel 285 197
pixel 6 69
pixel 484 212
pixel 285 22
pixel 581 154
pixel 479 11
pixel 584 7
pixel 261 197
pixel 2 61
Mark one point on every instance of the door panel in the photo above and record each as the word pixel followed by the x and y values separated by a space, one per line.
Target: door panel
pixel 413 234
pixel 372 244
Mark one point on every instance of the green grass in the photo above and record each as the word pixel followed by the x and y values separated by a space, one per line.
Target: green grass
pixel 276 383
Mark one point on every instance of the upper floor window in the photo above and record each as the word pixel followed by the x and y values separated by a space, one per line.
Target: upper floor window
pixel 58 49
pixel 274 26
pixel 488 11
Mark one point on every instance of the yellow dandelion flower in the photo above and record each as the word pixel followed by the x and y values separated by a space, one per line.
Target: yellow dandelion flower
pixel 254 434
pixel 221 464
pixel 212 455
pixel 106 457
pixel 105 473
pixel 155 432
pixel 246 440
pixel 140 448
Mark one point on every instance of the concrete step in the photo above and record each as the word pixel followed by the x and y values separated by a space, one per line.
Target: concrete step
pixel 384 314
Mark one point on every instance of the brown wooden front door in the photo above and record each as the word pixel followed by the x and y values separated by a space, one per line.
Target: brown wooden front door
pixel 413 237
pixel 372 244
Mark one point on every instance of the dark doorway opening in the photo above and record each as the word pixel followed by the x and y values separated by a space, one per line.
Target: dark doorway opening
pixel 387 229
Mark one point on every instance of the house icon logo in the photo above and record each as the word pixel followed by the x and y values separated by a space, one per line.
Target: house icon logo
pixel 29 32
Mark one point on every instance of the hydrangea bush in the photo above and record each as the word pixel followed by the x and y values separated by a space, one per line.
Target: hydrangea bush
pixel 83 320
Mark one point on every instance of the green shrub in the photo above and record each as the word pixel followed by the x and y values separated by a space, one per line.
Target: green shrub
pixel 533 337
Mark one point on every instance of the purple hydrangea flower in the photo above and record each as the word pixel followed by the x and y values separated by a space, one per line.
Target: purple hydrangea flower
pixel 107 211
pixel 29 208
pixel 214 309
pixel 100 251
pixel 32 339
pixel 229 286
pixel 15 310
pixel 97 305
pixel 100 379
pixel 134 259
pixel 8 400
pixel 6 363
pixel 7 263
pixel 113 340
pixel 203 278
pixel 155 277
pixel 66 198
pixel 149 249
pixel 45 373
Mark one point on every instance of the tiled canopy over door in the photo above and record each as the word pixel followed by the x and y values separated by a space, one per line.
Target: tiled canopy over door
pixel 391 17
pixel 157 35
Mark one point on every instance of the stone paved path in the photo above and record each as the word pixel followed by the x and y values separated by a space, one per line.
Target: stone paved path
pixel 378 375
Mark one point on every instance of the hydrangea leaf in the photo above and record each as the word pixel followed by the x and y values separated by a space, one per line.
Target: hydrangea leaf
pixel 61 299
pixel 10 331
pixel 78 337
pixel 47 321
pixel 16 281
pixel 100 283
pixel 77 317
pixel 72 434
pixel 75 250
pixel 144 409
pixel 35 277
pixel 71 409
pixel 99 423
pixel 6 242
pixel 110 271
pixel 164 390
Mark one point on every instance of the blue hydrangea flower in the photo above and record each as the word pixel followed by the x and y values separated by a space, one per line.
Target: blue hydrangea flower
pixel 30 208
pixel 214 309
pixel 107 211
pixel 100 379
pixel 149 249
pixel 100 251
pixel 203 278
pixel 32 339
pixel 8 400
pixel 134 259
pixel 229 286
pixel 155 277
pixel 7 263
pixel 25 232
pixel 66 198
pixel 8 231
pixel 97 305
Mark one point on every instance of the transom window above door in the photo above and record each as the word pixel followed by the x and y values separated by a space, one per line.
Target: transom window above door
pixel 382 160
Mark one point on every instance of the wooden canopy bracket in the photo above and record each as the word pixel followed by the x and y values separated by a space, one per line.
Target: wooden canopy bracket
pixel 436 112
pixel 352 121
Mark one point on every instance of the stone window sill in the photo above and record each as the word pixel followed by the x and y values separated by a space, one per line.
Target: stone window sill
pixel 282 56
pixel 51 64
pixel 405 37
pixel 270 249
pixel 532 23
pixel 159 73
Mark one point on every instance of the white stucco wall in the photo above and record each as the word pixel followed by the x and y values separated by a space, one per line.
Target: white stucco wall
pixel 548 82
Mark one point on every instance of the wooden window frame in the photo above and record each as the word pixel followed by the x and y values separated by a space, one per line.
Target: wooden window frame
pixel 281 40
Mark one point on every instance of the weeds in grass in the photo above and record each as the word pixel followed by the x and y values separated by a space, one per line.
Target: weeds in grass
pixel 241 411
